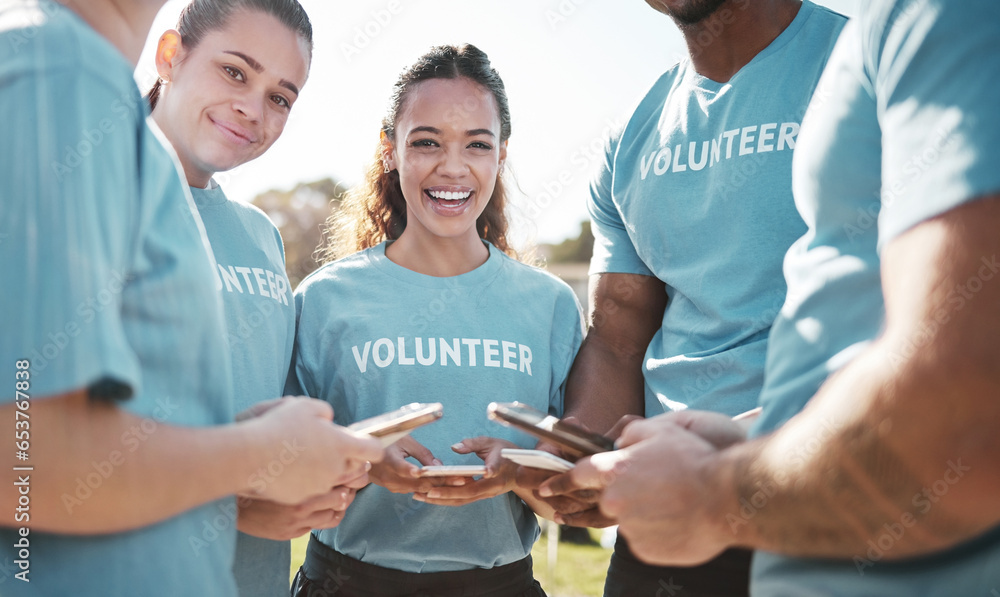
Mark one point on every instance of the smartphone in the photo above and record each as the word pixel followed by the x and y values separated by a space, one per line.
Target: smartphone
pixel 575 440
pixel 457 470
pixel 537 459
pixel 395 425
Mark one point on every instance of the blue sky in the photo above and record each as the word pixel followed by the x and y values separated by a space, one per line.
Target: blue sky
pixel 572 69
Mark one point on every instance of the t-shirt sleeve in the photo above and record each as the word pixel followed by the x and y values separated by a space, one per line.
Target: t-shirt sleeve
pixel 614 251
pixel 937 80
pixel 299 381
pixel 68 188
pixel 567 336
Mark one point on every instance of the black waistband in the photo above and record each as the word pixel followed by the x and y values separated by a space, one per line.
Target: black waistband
pixel 329 569
pixel 728 574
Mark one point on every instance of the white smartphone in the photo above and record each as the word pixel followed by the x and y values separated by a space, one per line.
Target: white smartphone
pixel 537 459
pixel 456 470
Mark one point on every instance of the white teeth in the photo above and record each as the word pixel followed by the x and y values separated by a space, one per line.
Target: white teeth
pixel 449 196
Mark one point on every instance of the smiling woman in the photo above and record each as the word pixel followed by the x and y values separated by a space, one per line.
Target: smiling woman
pixel 429 306
pixel 229 75
pixel 224 95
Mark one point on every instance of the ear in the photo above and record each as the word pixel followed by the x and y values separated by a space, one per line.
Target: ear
pixel 168 51
pixel 388 151
pixel 503 154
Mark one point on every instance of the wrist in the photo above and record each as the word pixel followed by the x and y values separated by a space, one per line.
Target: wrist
pixel 731 514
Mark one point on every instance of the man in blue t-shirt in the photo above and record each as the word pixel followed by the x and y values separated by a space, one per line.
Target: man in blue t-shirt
pixel 692 213
pixel 886 483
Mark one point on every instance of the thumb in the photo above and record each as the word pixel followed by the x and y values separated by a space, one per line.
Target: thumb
pixel 417 450
pixel 473 444
pixel 319 408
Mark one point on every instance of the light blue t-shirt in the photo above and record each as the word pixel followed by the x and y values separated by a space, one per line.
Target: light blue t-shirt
pixel 260 319
pixel 373 336
pixel 696 191
pixel 108 286
pixel 904 127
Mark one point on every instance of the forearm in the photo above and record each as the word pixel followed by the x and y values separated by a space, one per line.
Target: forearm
pixel 604 385
pixel 902 441
pixel 606 380
pixel 900 457
pixel 98 468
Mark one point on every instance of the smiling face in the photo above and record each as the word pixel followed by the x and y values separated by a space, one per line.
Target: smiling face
pixel 448 153
pixel 225 101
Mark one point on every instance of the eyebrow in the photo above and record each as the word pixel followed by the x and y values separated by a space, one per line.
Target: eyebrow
pixel 436 131
pixel 259 68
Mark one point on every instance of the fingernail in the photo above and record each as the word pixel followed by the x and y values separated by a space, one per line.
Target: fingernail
pixel 458 446
pixel 544 492
pixel 434 493
pixel 418 497
pixel 558 519
pixel 368 466
pixel 437 462
pixel 457 483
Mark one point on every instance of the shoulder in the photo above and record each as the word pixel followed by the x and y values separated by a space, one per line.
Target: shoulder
pixel 349 269
pixel 45 39
pixel 654 97
pixel 535 279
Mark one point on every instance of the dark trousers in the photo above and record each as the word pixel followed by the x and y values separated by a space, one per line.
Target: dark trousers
pixel 726 576
pixel 328 573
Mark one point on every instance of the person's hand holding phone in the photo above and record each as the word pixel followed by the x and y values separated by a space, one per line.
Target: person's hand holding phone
pixel 499 477
pixel 398 475
pixel 280 522
pixel 573 504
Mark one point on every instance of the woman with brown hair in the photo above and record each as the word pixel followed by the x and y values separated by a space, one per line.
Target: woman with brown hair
pixel 428 304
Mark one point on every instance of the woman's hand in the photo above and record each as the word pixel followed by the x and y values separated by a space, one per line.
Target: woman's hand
pixel 399 476
pixel 499 477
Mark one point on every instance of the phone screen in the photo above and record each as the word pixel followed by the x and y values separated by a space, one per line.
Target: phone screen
pixel 571 438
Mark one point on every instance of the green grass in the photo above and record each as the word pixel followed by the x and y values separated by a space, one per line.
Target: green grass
pixel 579 569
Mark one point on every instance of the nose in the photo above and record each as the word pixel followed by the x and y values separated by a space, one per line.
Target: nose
pixel 250 106
pixel 452 164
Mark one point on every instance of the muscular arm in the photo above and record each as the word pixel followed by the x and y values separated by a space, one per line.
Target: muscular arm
pixel 101 469
pixel 903 438
pixel 917 412
pixel 606 381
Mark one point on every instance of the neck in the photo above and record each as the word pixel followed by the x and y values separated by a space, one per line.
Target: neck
pixel 124 23
pixel 725 42
pixel 436 256
pixel 196 177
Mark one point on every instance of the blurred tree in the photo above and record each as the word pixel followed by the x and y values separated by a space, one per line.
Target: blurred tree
pixel 299 215
pixel 572 250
